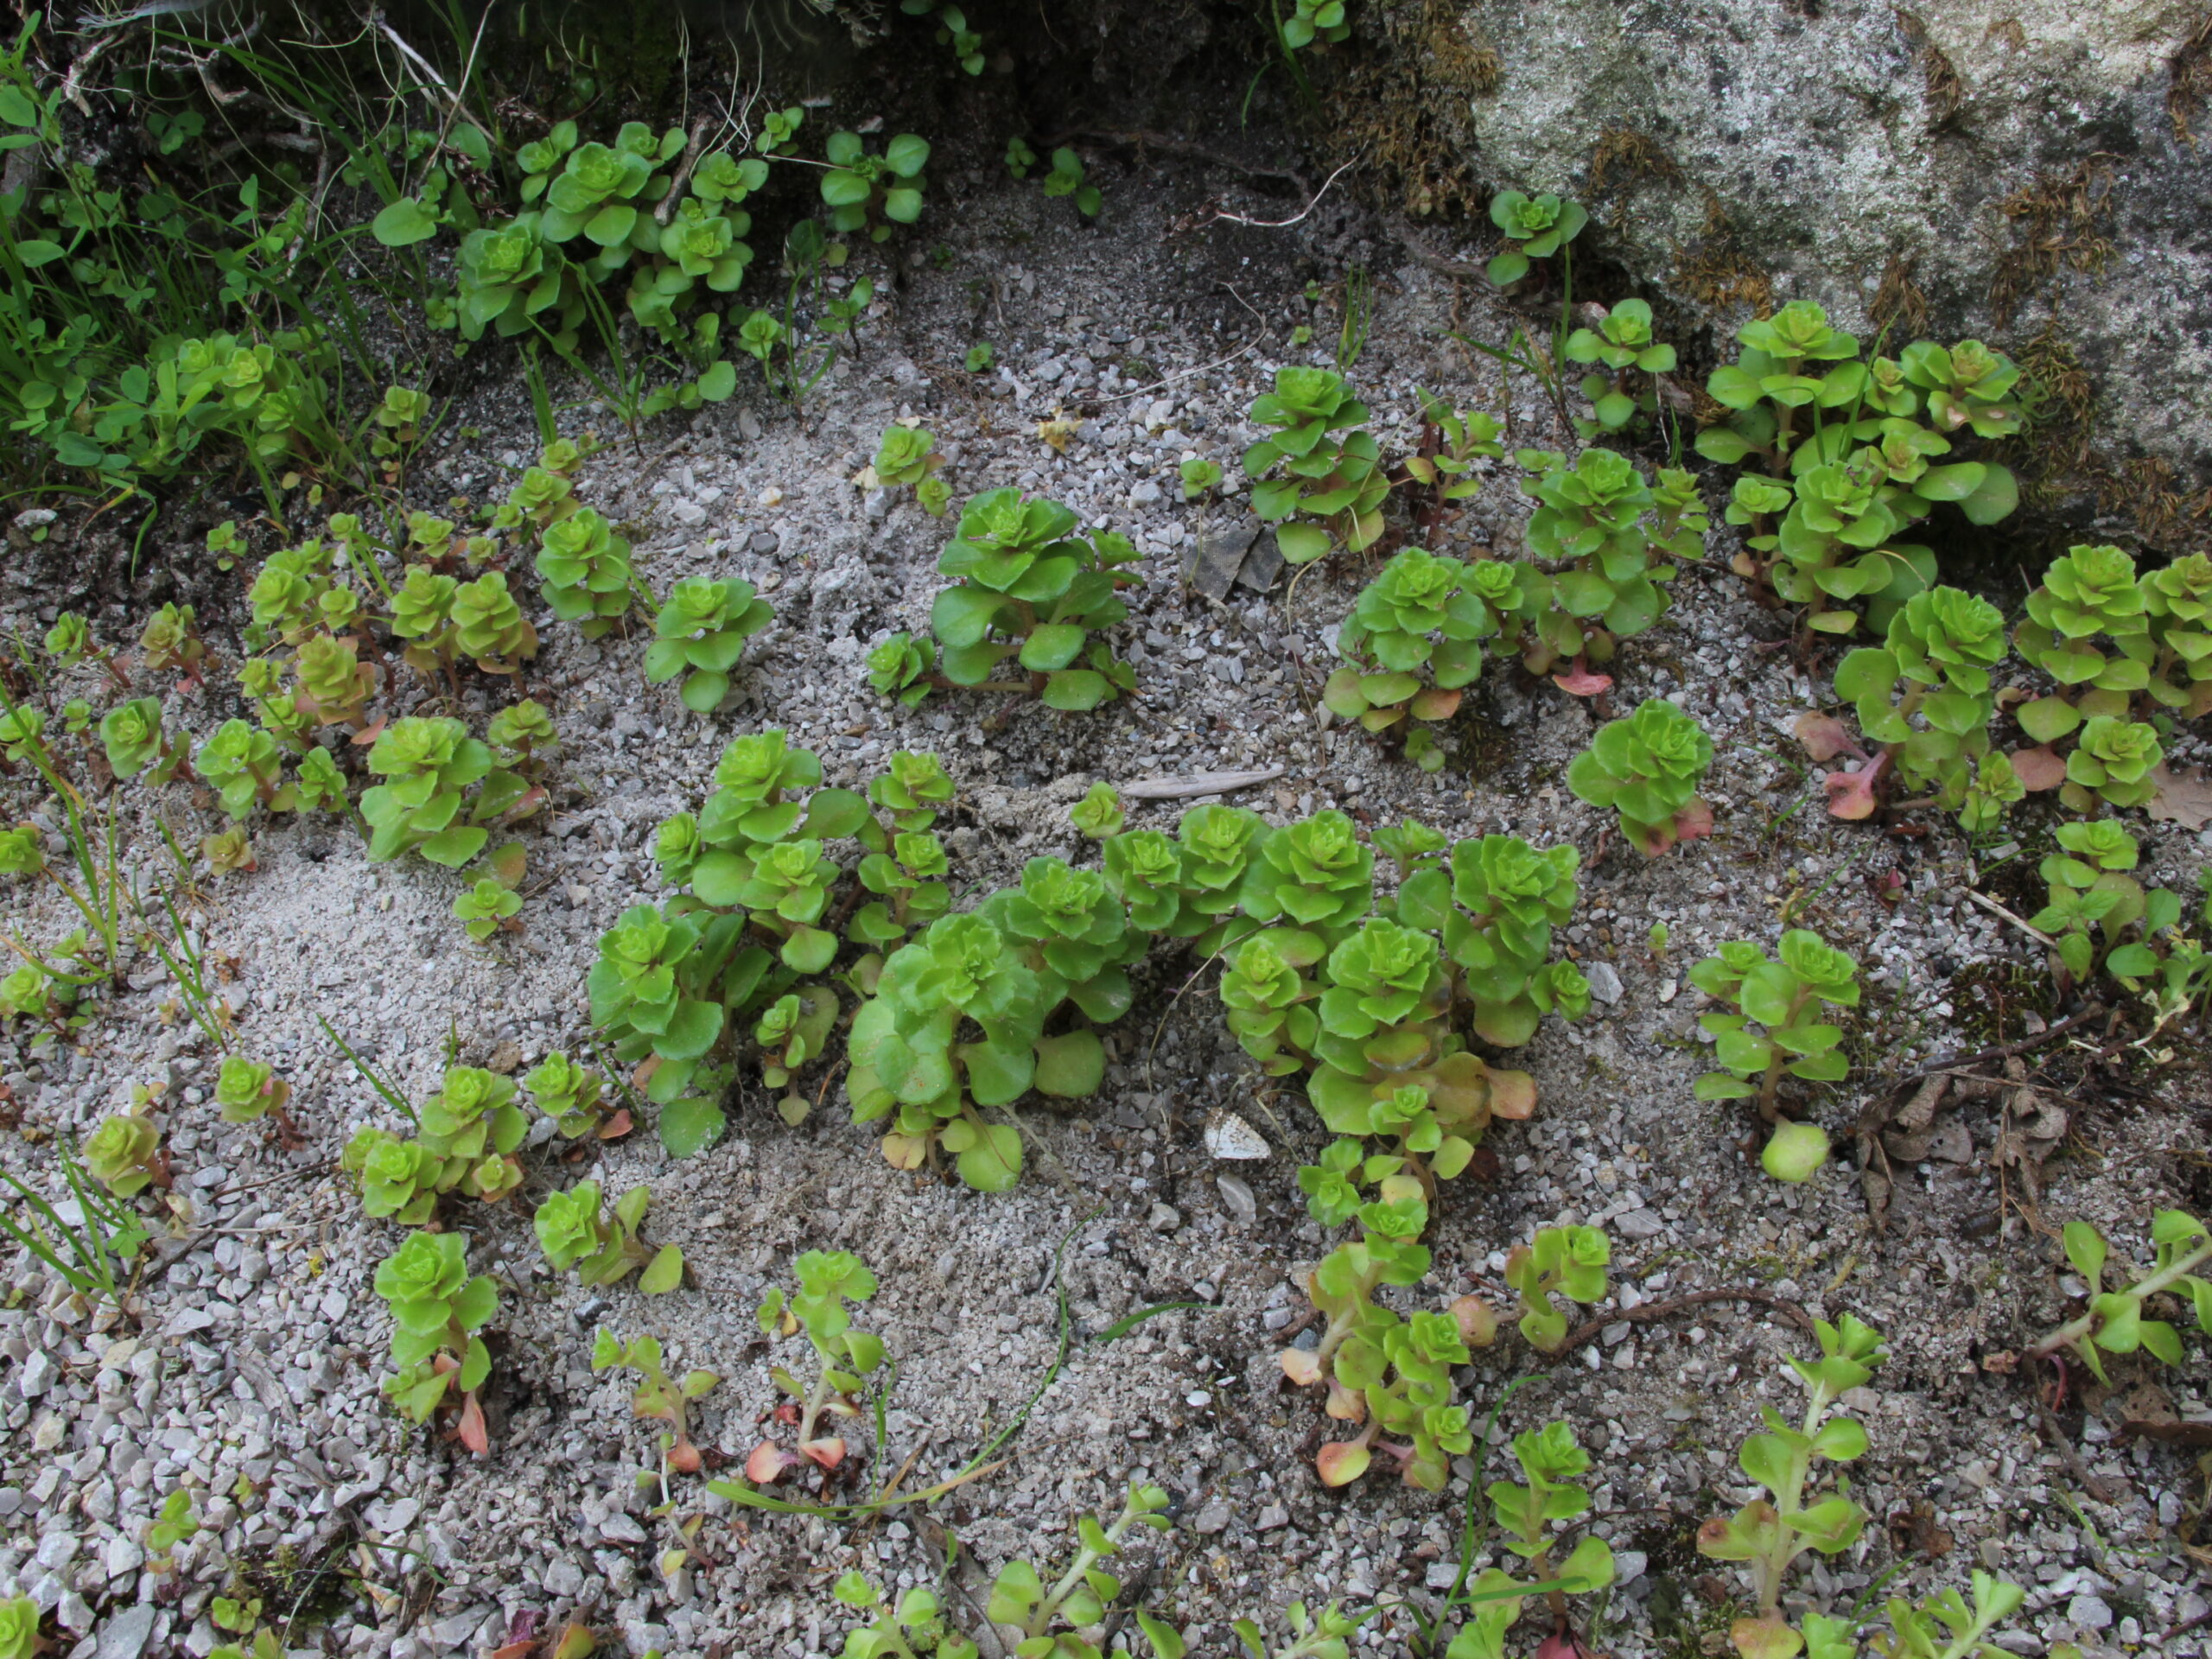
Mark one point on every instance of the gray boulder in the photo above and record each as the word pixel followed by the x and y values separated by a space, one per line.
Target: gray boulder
pixel 2020 171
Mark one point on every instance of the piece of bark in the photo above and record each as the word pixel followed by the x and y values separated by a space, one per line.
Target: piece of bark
pixel 1204 783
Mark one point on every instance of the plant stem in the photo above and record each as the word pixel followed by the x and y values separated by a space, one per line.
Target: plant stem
pixel 2079 1330
pixel 1085 1558
pixel 1769 1573
pixel 1772 1083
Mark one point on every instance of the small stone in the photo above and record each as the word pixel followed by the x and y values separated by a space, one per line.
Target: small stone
pixel 1629 1565
pixel 37 1373
pixel 1213 563
pixel 1197 1399
pixel 1236 1198
pixel 1164 1218
pixel 2089 1611
pixel 748 424
pixel 1273 1518
pixel 1605 983
pixel 878 505
pixel 127 1633
pixel 1275 1318
pixel 1146 493
pixel 563 1578
pixel 687 512
pixel 1213 1518
pixel 11 1499
pixel 1640 1224
pixel 124 1557
pixel 622 1529
pixel 765 542
pixel 56 1550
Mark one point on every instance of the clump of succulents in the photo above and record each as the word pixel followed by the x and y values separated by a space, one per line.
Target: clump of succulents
pixel 1031 589
pixel 1851 450
pixel 583 567
pixel 430 764
pixel 1413 642
pixel 576 1231
pixel 1924 702
pixel 1494 909
pixel 1648 768
pixel 1600 580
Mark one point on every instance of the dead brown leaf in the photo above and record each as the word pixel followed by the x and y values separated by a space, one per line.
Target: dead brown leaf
pixel 2183 798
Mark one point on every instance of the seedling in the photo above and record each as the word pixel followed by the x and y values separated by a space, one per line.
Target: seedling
pixel 700 633
pixel 1769 1534
pixel 1324 1635
pixel 172 645
pixel 1098 814
pixel 980 358
pixel 905 455
pixel 1068 1617
pixel 827 1281
pixel 859 186
pixel 125 1154
pixel 1782 997
pixel 1413 642
pixel 2091 892
pixel 2113 1322
pixel 489 627
pixel 137 742
pixel 1313 19
pixel 468 1134
pixel 1622 345
pixel 176 1523
pixel 1337 483
pixel 903 667
pixel 1463 438
pixel 247 1091
pixel 915 1626
pixel 242 765
pixel 1567 1261
pixel 437 1310
pixel 1066 178
pixel 603 1246
pixel 1549 1460
pixel 1648 768
pixel 1536 227
pixel 570 1096
pixel 1199 476
pixel 793 1033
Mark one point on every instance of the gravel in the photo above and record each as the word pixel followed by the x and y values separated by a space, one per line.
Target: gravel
pixel 250 1372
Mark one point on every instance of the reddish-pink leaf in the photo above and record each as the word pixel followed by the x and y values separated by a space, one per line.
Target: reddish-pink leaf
pixel 617 1126
pixel 683 1457
pixel 1512 1095
pixel 767 1464
pixel 1695 821
pixel 1851 794
pixel 1581 681
pixel 828 1453
pixel 1430 703
pixel 1825 737
pixel 2038 769
pixel 1301 1367
pixel 1342 1462
pixel 473 1434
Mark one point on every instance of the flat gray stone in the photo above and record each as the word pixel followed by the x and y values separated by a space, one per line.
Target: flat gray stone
pixel 1640 1224
pixel 1604 984
pixel 1214 562
pixel 127 1633
pixel 1236 1198
pixel 1213 1518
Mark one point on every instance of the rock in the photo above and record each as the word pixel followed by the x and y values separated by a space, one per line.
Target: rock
pixel 1164 1218
pixel 1629 1565
pixel 1275 1318
pixel 1273 1518
pixel 879 504
pixel 127 1633
pixel 75 1615
pixel 1213 1518
pixel 1236 1198
pixel 2089 1611
pixel 622 1529
pixel 1212 565
pixel 1639 1223
pixel 124 1557
pixel 765 542
pixel 37 1373
pixel 1605 983
pixel 2020 163
pixel 748 424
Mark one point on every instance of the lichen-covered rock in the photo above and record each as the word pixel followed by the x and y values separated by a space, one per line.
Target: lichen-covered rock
pixel 2018 170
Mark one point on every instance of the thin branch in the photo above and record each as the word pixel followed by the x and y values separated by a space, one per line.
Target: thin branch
pixel 1180 374
pixel 2004 1050
pixel 1646 1311
pixel 2054 1437
pixel 682 175
pixel 1221 218
pixel 1997 910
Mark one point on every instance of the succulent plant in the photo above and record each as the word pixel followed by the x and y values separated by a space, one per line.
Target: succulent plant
pixel 1622 343
pixel 1607 584
pixel 489 627
pixel 584 568
pixel 1316 874
pixel 437 1310
pixel 1496 910
pixel 1392 637
pixel 1648 768
pixel 1337 483
pixel 1537 227
pixel 700 632
pixel 124 1153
